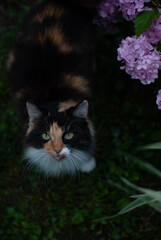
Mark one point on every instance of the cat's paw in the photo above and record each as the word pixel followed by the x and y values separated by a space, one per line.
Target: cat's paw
pixel 88 166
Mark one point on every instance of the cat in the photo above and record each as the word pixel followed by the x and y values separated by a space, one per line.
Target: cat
pixel 50 69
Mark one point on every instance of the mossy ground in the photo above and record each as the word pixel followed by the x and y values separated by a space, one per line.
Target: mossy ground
pixel 34 207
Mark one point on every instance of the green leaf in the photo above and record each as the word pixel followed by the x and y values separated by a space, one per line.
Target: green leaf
pixel 148 167
pixel 144 20
pixel 144 165
pixel 78 217
pixel 155 195
pixel 119 186
pixel 159 46
pixel 156 206
pixel 152 146
pixel 150 197
pixel 135 204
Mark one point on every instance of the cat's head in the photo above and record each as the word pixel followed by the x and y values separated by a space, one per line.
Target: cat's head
pixel 59 139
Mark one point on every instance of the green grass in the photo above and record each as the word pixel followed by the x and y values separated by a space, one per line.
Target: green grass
pixel 126 117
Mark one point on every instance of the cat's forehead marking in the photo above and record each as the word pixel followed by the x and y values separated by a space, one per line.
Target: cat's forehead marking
pixel 48 12
pixel 55 130
pixel 66 105
pixel 77 82
pixel 56 143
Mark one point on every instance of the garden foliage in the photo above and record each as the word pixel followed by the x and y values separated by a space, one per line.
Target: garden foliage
pixel 34 207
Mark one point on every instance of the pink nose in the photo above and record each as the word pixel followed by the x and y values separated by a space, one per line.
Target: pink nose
pixel 58 150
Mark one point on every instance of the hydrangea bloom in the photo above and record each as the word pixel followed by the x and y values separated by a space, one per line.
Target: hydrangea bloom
pixel 130 8
pixel 153 33
pixel 142 60
pixel 158 101
pixel 107 14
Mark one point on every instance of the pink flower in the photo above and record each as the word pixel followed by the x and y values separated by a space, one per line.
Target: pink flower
pixel 107 15
pixel 153 33
pixel 158 101
pixel 130 8
pixel 141 59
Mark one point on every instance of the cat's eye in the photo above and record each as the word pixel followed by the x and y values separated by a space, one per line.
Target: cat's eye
pixel 46 136
pixel 68 136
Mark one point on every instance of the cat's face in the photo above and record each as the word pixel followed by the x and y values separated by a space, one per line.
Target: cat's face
pixel 60 141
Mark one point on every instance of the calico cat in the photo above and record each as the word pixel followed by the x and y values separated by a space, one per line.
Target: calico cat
pixel 50 68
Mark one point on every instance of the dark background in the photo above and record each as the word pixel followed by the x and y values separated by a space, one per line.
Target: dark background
pixel 33 207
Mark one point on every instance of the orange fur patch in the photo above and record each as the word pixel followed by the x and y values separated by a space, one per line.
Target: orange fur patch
pixel 77 82
pixel 65 105
pixel 11 59
pixel 49 11
pixel 20 94
pixel 55 144
pixel 56 36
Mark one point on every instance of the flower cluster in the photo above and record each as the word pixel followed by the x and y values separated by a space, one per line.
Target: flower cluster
pixel 158 101
pixel 107 15
pixel 108 12
pixel 153 33
pixel 139 55
pixel 130 8
pixel 141 59
pixel 146 61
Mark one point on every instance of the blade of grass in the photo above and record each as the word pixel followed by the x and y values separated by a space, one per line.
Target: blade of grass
pixel 119 186
pixel 144 165
pixel 152 146
pixel 135 204
pixel 155 195
pixel 156 206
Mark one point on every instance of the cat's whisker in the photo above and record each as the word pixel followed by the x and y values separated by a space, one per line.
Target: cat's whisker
pixel 76 168
pixel 82 156
pixel 78 157
pixel 74 163
pixel 46 168
pixel 30 163
pixel 27 168
pixel 71 164
pixel 37 158
pixel 37 173
pixel 46 160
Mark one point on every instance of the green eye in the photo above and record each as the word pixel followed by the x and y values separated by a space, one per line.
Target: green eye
pixel 46 136
pixel 68 136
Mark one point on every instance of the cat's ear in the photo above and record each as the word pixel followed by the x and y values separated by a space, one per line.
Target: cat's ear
pixel 33 111
pixel 81 110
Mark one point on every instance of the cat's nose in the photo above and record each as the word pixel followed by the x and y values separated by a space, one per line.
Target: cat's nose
pixel 58 150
